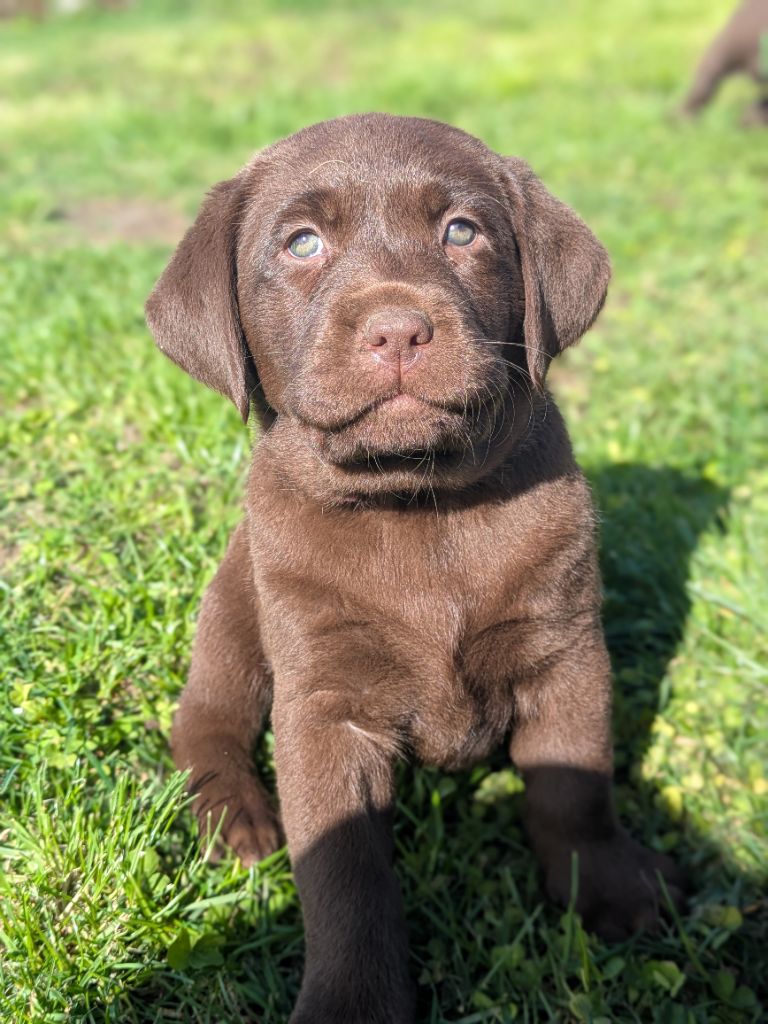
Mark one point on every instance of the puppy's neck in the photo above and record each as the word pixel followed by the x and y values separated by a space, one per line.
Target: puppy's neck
pixel 530 445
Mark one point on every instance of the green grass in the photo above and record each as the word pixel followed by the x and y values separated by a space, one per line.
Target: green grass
pixel 121 479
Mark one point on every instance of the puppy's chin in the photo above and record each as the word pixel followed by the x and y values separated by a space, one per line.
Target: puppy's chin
pixel 405 446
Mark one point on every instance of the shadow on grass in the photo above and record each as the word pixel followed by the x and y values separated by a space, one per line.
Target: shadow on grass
pixel 651 521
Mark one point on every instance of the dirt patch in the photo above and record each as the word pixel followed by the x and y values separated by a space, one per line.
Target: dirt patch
pixel 104 221
pixel 8 554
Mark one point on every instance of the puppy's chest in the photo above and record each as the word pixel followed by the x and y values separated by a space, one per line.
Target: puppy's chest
pixel 439 609
pixel 432 578
pixel 436 610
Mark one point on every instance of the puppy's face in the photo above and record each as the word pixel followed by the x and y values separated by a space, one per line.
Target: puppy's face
pixel 378 292
pixel 388 286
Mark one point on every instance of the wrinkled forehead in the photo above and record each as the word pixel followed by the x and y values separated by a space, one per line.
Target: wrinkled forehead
pixel 392 168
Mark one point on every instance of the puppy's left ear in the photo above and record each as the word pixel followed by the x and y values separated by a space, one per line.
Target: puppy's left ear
pixel 193 311
pixel 565 269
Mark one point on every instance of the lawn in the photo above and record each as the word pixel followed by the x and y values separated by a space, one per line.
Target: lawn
pixel 120 479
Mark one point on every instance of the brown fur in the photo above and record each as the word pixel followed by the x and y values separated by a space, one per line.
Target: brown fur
pixel 414 576
pixel 736 49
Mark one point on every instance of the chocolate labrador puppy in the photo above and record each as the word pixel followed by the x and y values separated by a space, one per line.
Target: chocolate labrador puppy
pixel 415 575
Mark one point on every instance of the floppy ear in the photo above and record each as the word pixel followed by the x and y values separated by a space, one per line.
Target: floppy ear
pixel 193 312
pixel 565 269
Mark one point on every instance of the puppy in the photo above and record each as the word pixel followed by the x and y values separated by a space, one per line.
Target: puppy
pixel 415 574
pixel 741 46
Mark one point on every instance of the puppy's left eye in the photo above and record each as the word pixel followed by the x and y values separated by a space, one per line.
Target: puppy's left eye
pixel 305 245
pixel 460 232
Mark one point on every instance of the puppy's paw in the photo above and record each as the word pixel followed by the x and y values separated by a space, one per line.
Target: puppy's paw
pixel 252 834
pixel 619 891
pixel 238 808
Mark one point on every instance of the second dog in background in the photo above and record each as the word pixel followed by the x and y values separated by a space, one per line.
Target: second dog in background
pixel 741 47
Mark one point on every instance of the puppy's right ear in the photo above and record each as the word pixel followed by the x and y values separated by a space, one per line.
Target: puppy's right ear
pixel 193 311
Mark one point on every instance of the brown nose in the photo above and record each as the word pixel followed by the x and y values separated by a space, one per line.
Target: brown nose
pixel 396 335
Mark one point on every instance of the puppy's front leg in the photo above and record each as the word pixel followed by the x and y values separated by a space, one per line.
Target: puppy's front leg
pixel 562 744
pixel 334 774
pixel 221 711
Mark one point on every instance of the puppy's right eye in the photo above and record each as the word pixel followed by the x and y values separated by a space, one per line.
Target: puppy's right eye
pixel 305 245
pixel 460 232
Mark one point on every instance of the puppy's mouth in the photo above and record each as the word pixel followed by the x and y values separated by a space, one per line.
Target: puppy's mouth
pixel 401 404
pixel 393 406
pixel 404 432
pixel 421 463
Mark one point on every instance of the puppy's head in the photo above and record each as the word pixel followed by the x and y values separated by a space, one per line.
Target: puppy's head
pixel 389 288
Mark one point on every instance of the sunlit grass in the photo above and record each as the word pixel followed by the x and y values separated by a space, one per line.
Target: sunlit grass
pixel 120 479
